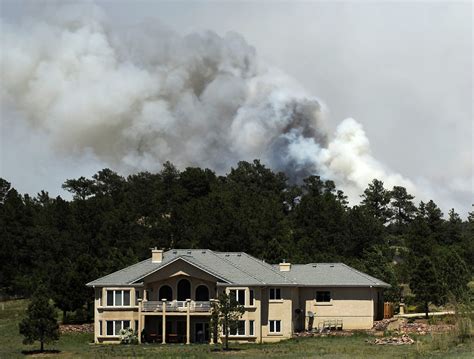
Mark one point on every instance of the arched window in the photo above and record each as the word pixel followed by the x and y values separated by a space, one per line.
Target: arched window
pixel 202 293
pixel 184 289
pixel 165 293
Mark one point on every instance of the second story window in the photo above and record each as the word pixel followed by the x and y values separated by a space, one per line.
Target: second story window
pixel 323 296
pixel 251 298
pixel 118 298
pixel 238 295
pixel 275 293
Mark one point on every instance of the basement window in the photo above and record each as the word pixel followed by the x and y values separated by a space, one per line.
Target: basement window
pixel 275 326
pixel 323 296
pixel 118 298
pixel 115 326
pixel 239 329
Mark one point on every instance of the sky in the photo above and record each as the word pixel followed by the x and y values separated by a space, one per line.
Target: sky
pixel 403 70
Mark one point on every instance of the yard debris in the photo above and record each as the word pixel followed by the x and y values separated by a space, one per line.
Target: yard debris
pixel 397 340
pixel 381 325
pixel 76 328
pixel 325 333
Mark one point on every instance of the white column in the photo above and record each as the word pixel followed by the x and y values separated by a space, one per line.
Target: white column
pixel 188 321
pixel 140 322
pixel 211 328
pixel 163 340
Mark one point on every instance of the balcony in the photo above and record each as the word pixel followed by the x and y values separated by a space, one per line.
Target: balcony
pixel 176 306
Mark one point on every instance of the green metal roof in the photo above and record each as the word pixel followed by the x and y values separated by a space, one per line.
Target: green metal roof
pixel 239 268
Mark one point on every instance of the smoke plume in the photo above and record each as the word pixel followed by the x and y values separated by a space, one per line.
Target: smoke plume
pixel 136 97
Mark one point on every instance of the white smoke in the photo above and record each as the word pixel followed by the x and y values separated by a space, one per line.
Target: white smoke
pixel 140 96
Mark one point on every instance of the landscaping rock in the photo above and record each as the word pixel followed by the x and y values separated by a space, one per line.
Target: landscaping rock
pixel 398 340
pixel 76 328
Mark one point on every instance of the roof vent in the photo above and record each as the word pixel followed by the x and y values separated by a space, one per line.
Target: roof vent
pixel 227 254
pixel 203 252
pixel 315 265
pixel 175 252
pixel 189 252
pixel 332 266
pixel 239 255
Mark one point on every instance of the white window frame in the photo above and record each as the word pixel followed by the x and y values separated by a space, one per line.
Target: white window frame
pixel 237 295
pixel 114 334
pixel 272 323
pixel 275 291
pixel 251 328
pixel 122 295
pixel 251 298
pixel 237 332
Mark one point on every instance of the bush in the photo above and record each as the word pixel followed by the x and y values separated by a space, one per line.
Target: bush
pixel 464 318
pixel 128 336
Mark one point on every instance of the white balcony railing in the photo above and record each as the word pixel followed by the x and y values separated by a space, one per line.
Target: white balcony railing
pixel 176 306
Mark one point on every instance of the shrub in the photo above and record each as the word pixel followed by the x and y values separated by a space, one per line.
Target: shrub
pixel 128 336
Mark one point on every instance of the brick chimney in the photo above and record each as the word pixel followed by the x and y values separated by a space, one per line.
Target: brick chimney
pixel 156 255
pixel 285 267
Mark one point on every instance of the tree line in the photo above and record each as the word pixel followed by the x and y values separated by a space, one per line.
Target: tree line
pixel 112 221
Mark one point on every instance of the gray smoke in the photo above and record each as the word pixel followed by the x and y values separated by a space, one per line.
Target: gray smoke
pixel 137 97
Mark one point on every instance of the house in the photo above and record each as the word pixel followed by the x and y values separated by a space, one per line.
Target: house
pixel 167 297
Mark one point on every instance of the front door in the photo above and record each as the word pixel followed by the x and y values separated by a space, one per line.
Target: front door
pixel 201 332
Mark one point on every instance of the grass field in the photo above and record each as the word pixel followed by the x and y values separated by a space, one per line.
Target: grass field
pixel 78 346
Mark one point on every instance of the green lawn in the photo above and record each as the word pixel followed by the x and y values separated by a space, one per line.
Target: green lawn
pixel 78 345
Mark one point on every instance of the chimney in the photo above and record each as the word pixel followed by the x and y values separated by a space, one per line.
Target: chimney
pixel 285 267
pixel 156 255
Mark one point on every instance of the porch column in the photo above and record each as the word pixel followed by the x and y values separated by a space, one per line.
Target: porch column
pixel 211 328
pixel 163 334
pixel 140 322
pixel 188 321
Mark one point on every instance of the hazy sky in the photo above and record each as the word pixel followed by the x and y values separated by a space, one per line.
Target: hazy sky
pixel 402 69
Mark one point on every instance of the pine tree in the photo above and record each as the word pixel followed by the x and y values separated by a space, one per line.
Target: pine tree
pixel 376 200
pixel 40 323
pixel 426 285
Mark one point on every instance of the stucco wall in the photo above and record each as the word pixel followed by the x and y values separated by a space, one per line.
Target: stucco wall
pixel 354 306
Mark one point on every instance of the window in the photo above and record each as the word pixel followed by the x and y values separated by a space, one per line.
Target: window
pixel 251 327
pixel 202 293
pixel 137 296
pixel 323 296
pixel 114 326
pixel 118 298
pixel 100 327
pixel 238 295
pixel 184 289
pixel 275 293
pixel 136 326
pixel 251 297
pixel 165 292
pixel 275 326
pixel 239 329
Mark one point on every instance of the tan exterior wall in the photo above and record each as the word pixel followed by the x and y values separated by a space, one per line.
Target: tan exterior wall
pixel 355 306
